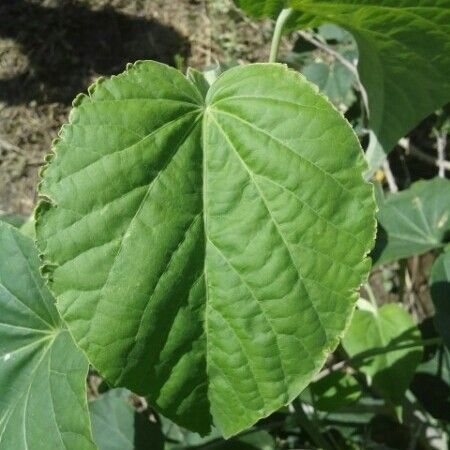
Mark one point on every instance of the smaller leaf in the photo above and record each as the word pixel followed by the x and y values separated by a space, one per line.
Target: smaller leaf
pixel 333 33
pixel 332 77
pixel 15 220
pixel 335 391
pixel 334 80
pixel 413 221
pixel 440 294
pixel 178 438
pixel 43 401
pixel 389 373
pixel 259 440
pixel 118 426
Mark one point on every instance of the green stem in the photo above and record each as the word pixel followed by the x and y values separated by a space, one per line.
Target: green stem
pixel 277 32
pixel 371 295
pixel 382 350
pixel 310 427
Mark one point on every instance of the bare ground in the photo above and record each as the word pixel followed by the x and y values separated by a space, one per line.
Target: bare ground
pixel 52 49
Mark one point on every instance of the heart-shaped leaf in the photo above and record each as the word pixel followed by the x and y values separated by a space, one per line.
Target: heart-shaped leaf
pixel 205 251
pixel 43 401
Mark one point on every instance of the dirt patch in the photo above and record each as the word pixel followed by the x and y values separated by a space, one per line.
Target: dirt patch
pixel 51 49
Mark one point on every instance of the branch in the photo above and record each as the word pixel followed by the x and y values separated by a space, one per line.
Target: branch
pixel 441 143
pixel 276 38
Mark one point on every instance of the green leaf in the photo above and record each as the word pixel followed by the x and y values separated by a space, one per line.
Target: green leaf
pixel 15 220
pixel 332 77
pixel 43 401
pixel 116 424
pixel 254 440
pixel 404 49
pixel 335 391
pixel 413 221
pixel 259 440
pixel 440 294
pixel 205 253
pixel 178 438
pixel 262 8
pixel 334 80
pixel 390 326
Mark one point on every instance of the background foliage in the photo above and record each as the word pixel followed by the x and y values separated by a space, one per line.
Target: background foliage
pixel 388 385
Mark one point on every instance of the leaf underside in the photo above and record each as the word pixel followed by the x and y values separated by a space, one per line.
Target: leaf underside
pixel 43 401
pixel 205 251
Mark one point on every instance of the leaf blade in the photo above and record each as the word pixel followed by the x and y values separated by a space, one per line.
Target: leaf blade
pixel 146 268
pixel 390 373
pixel 404 74
pixel 439 289
pixel 41 368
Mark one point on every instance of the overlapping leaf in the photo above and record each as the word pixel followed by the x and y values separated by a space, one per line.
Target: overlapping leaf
pixel 43 401
pixel 388 327
pixel 333 78
pixel 117 425
pixel 335 391
pixel 404 49
pixel 431 384
pixel 262 8
pixel 205 251
pixel 413 221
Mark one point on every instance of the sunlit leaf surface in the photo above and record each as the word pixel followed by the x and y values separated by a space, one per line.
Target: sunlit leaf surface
pixel 205 251
pixel 43 401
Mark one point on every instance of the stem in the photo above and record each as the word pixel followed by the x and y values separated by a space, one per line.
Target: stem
pixel 389 176
pixel 441 143
pixel 371 295
pixel 276 38
pixel 310 427
pixel 360 357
